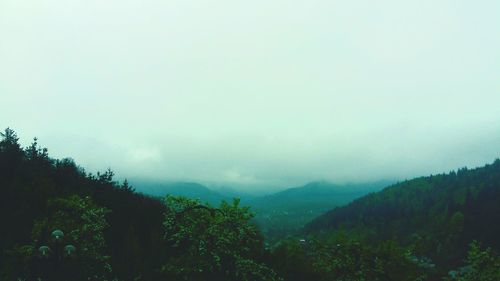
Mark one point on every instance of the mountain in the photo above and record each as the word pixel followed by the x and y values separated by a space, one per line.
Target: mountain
pixel 278 214
pixel 284 212
pixel 52 209
pixel 436 214
pixel 320 192
pixel 186 189
pixel 414 230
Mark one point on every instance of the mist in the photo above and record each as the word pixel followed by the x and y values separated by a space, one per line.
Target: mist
pixel 255 94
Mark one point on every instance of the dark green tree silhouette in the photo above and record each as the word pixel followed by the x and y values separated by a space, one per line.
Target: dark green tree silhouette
pixel 213 243
pixel 83 224
pixel 481 265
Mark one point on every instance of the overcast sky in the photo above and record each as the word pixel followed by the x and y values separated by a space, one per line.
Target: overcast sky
pixel 257 93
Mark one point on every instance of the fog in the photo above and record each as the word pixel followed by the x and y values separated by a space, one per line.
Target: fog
pixel 255 93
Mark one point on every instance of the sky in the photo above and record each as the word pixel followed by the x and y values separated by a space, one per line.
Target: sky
pixel 255 93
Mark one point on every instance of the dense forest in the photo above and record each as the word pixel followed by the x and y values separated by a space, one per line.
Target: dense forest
pixel 63 223
pixel 283 213
pixel 438 215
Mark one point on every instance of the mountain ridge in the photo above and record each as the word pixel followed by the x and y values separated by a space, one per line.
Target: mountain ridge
pixel 437 213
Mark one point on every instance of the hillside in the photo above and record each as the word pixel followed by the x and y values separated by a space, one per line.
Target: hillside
pixel 285 212
pixel 278 214
pixel 438 214
pixel 62 223
pixel 39 194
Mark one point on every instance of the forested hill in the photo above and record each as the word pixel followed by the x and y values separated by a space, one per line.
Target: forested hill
pixel 38 193
pixel 278 214
pixel 416 230
pixel 439 213
pixel 283 213
pixel 319 193
pixel 110 231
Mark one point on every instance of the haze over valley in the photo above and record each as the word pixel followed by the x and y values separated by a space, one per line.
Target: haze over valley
pixel 255 95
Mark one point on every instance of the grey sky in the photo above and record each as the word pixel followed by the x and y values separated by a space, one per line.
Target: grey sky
pixel 255 92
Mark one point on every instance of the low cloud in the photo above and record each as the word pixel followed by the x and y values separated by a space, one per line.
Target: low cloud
pixel 255 94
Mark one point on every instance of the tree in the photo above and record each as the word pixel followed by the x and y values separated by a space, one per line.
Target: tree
pixel 213 243
pixel 482 265
pixel 127 187
pixel 9 138
pixel 11 152
pixel 34 152
pixel 83 224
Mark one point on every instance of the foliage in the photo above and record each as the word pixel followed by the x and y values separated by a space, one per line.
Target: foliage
pixel 414 230
pixel 481 265
pixel 280 214
pixel 33 187
pixel 348 260
pixel 83 223
pixel 214 243
pixel 437 215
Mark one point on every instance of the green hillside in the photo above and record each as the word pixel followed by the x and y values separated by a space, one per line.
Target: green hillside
pixel 439 214
pixel 62 223
pixel 278 214
pixel 284 213
pixel 117 233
